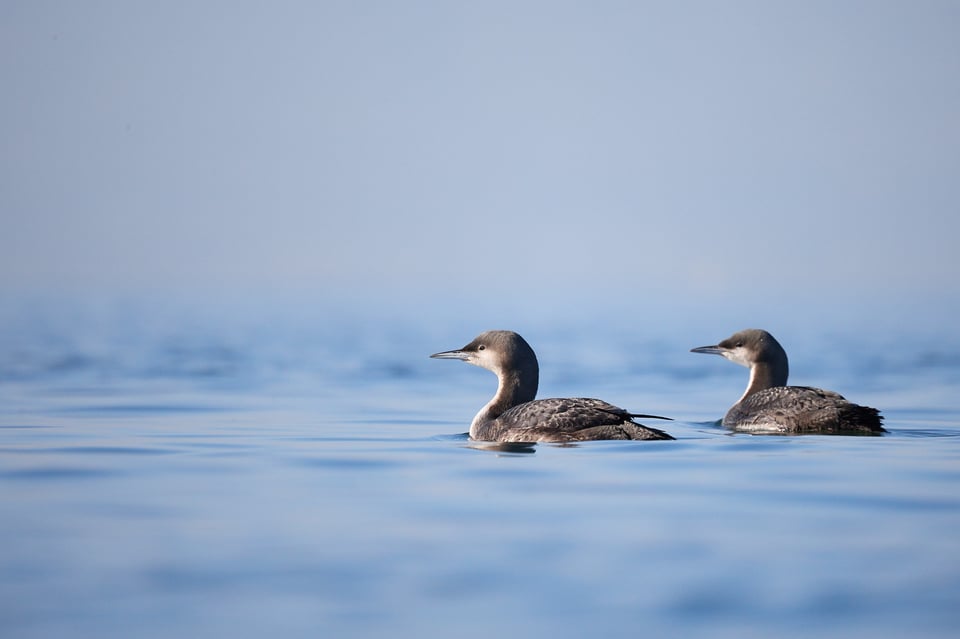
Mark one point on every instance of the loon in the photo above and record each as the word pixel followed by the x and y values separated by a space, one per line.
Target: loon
pixel 513 415
pixel 770 406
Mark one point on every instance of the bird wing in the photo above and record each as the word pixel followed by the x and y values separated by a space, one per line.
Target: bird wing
pixel 797 409
pixel 571 419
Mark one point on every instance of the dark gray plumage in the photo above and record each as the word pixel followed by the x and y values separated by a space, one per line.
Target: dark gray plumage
pixel 770 406
pixel 513 415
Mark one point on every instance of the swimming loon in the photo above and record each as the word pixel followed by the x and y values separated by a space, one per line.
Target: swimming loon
pixel 513 415
pixel 770 406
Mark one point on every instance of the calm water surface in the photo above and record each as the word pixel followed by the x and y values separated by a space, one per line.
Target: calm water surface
pixel 180 477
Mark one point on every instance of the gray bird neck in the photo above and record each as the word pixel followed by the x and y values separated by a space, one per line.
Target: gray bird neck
pixel 515 387
pixel 767 374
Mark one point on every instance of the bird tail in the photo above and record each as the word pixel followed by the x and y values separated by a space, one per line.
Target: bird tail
pixel 864 419
pixel 642 416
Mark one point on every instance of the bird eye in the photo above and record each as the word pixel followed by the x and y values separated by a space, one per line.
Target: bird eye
pixel 481 347
pixel 740 344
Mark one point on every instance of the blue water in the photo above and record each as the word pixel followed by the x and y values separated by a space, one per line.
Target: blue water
pixel 164 473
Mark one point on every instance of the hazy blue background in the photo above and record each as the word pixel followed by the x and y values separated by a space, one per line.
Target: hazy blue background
pixel 684 155
pixel 232 232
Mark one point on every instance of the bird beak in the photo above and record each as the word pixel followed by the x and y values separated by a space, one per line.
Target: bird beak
pixel 710 350
pixel 457 354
